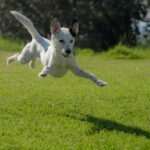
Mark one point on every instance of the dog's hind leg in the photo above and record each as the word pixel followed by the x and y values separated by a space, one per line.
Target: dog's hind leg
pixel 23 58
pixel 12 58
pixel 17 57
pixel 32 64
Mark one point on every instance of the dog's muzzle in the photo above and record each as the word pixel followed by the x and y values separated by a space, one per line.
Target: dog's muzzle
pixel 66 53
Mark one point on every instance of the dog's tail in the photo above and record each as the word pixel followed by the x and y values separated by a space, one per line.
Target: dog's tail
pixel 27 23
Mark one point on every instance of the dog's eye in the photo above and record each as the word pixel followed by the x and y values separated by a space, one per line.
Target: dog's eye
pixel 71 41
pixel 61 41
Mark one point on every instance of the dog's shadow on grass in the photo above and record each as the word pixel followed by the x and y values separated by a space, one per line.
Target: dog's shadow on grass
pixel 99 124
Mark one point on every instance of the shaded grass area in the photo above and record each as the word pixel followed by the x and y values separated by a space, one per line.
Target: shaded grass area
pixel 10 44
pixel 118 52
pixel 123 52
pixel 73 113
pixel 99 124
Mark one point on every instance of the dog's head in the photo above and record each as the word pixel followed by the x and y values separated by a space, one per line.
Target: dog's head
pixel 64 38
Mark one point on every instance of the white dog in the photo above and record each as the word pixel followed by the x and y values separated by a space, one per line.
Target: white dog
pixel 56 55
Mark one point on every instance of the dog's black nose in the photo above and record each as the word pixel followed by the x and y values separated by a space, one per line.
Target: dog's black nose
pixel 68 51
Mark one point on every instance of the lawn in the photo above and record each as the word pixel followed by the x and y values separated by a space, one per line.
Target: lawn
pixel 72 113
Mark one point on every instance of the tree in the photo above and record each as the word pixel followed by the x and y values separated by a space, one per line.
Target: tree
pixel 102 23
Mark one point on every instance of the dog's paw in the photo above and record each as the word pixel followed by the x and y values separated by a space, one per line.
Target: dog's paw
pixel 44 73
pixel 41 74
pixel 8 61
pixel 101 83
pixel 104 84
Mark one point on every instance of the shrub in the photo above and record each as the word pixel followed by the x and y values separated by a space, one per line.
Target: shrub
pixel 123 52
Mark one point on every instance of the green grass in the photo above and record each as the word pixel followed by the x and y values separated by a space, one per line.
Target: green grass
pixel 120 52
pixel 73 113
pixel 124 52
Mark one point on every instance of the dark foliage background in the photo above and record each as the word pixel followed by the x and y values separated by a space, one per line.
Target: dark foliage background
pixel 103 23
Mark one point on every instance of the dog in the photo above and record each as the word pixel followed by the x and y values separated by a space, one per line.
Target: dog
pixel 56 55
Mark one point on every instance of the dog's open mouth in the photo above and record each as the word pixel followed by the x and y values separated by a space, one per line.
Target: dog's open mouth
pixel 65 55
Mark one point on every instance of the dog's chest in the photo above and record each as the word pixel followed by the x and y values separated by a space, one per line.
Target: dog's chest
pixel 59 68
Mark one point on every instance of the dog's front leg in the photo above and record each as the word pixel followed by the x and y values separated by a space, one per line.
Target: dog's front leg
pixel 79 72
pixel 47 65
pixel 44 72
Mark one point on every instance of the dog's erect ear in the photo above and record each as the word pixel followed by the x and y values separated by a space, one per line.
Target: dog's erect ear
pixel 55 26
pixel 74 29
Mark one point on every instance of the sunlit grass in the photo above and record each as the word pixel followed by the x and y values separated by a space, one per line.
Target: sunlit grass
pixel 73 113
